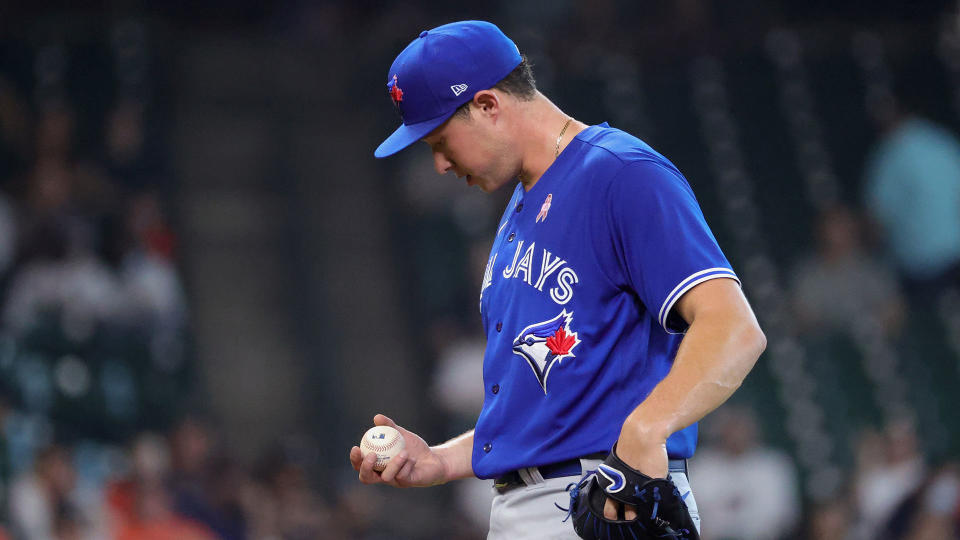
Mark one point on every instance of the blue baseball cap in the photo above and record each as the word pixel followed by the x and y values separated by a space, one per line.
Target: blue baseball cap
pixel 440 71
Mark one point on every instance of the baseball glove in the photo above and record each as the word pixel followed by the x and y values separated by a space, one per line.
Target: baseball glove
pixel 661 512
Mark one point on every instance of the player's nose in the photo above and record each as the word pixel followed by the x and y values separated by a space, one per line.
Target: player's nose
pixel 441 163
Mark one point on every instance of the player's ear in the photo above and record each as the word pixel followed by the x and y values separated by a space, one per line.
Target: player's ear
pixel 487 103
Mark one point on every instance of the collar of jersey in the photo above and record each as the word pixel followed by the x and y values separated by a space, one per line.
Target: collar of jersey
pixel 551 170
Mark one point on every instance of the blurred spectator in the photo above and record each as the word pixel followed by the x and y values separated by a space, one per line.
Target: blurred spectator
pixel 155 519
pixel 55 132
pixel 49 189
pixel 70 525
pixel 889 468
pixel 198 479
pixel 77 286
pixel 830 520
pixel 928 512
pixel 359 512
pixel 938 513
pixel 295 510
pixel 840 283
pixel 151 282
pixel 41 498
pixel 150 460
pixel 913 191
pixel 458 377
pixel 744 490
pixel 190 447
pixel 124 135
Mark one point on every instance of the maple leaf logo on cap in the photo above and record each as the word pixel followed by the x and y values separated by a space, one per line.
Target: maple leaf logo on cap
pixel 396 94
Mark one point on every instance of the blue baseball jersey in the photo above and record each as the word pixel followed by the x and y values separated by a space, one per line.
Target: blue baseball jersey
pixel 577 301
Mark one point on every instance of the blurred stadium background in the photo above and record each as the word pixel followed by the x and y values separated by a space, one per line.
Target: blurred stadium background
pixel 209 286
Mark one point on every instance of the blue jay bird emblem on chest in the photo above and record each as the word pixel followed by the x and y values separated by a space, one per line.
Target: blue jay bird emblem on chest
pixel 544 344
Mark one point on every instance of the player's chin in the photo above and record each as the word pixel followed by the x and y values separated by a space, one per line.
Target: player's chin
pixel 487 186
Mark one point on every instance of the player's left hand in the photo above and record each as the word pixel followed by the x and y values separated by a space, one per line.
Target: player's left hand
pixel 653 507
pixel 644 452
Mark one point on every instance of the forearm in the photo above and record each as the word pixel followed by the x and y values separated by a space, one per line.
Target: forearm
pixel 457 456
pixel 713 359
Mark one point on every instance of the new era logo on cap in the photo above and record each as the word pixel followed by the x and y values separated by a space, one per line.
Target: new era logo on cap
pixel 458 89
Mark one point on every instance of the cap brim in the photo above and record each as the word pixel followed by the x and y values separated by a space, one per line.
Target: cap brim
pixel 405 135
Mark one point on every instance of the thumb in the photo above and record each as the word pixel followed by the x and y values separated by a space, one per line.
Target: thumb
pixel 383 420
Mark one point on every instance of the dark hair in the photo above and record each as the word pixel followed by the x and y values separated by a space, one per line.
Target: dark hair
pixel 518 83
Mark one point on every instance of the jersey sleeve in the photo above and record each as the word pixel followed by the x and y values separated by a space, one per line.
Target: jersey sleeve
pixel 662 240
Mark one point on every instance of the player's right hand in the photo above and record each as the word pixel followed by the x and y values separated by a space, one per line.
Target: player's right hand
pixel 417 465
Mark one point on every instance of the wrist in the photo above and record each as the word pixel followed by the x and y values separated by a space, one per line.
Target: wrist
pixel 643 446
pixel 455 458
pixel 444 461
pixel 645 430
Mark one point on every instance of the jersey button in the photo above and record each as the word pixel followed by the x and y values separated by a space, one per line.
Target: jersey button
pixel 499 326
pixel 511 237
pixel 495 389
pixel 487 448
pixel 519 207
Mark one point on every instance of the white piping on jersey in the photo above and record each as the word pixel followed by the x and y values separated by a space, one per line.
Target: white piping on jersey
pixel 687 284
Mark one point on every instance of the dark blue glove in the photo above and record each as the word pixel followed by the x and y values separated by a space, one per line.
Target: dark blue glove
pixel 661 512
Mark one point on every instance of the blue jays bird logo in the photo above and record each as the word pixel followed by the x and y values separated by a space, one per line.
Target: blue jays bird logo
pixel 543 345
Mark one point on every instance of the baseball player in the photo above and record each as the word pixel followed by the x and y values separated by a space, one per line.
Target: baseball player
pixel 613 320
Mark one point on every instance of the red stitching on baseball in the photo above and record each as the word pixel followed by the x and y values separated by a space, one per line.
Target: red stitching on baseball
pixel 381 448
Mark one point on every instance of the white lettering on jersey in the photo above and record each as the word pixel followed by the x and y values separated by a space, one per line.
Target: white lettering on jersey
pixel 522 268
pixel 524 264
pixel 487 277
pixel 508 271
pixel 547 267
pixel 563 292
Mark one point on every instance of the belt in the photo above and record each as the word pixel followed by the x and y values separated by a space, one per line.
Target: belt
pixel 570 467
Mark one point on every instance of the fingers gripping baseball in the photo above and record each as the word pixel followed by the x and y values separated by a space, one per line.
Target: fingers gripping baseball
pixel 417 465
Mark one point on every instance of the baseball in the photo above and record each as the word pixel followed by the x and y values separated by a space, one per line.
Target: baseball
pixel 385 441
